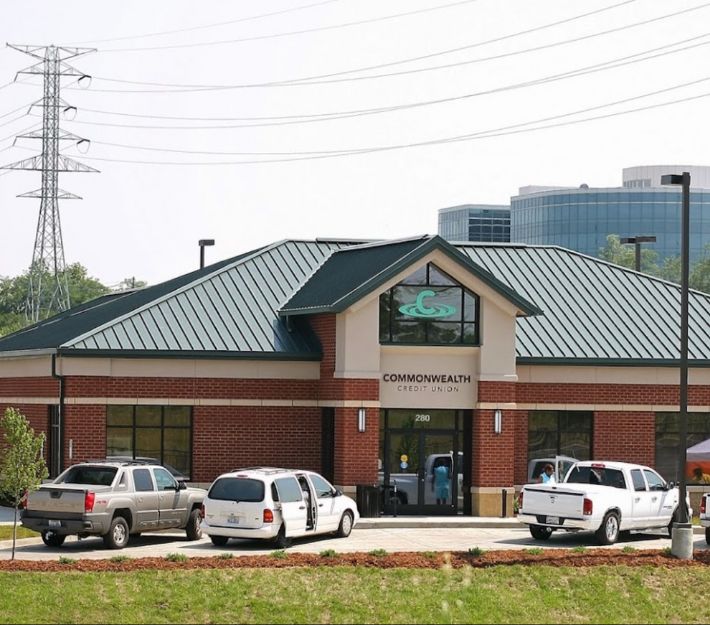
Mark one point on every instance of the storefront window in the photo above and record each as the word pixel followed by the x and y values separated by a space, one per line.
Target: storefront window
pixel 668 440
pixel 160 432
pixel 429 308
pixel 559 433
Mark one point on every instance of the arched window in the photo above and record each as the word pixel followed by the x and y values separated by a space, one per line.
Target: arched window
pixel 429 308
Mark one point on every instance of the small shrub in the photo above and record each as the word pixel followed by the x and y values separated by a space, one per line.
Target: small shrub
pixel 176 557
pixel 534 551
pixel 119 559
pixel 579 549
pixel 667 551
pixel 628 549
pixel 429 554
pixel 225 556
pixel 279 554
pixel 380 553
pixel 477 552
pixel 329 553
pixel 65 560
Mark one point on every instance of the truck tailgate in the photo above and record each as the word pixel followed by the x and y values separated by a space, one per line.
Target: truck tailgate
pixel 60 498
pixel 555 501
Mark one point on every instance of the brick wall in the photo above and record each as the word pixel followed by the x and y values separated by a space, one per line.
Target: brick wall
pixel 627 437
pixel 493 454
pixel 228 437
pixel 38 417
pixel 644 394
pixel 356 452
pixel 85 426
pixel 29 387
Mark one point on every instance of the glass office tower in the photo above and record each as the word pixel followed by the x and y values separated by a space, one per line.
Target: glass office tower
pixel 475 222
pixel 581 218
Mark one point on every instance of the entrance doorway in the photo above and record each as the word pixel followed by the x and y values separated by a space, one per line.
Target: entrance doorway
pixel 423 462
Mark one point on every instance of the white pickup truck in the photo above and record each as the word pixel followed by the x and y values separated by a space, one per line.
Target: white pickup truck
pixel 604 497
pixel 408 483
pixel 705 515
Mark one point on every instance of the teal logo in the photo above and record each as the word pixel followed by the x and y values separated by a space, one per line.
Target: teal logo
pixel 421 310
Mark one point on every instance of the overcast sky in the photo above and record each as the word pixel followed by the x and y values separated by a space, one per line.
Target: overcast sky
pixel 223 64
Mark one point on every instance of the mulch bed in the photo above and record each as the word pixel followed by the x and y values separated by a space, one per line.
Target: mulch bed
pixel 457 559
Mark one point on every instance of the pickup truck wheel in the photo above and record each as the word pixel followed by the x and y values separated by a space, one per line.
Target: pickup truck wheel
pixel 192 529
pixel 282 541
pixel 608 532
pixel 674 519
pixel 346 525
pixel 52 539
pixel 540 532
pixel 117 536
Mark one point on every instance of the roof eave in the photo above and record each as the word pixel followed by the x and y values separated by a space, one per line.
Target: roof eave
pixel 202 355
pixel 609 362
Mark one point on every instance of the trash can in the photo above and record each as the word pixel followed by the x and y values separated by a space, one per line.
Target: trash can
pixel 367 498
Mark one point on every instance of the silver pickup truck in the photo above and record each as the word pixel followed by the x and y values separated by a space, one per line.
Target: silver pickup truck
pixel 114 500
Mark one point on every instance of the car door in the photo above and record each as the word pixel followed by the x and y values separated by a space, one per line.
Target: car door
pixel 328 513
pixel 173 501
pixel 293 506
pixel 662 500
pixel 640 500
pixel 147 501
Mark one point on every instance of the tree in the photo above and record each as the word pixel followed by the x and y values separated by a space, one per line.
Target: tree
pixel 22 467
pixel 625 255
pixel 13 295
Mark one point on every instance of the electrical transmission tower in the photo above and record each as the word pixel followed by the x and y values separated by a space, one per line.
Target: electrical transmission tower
pixel 48 291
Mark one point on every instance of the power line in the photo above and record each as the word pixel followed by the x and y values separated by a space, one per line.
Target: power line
pixel 192 28
pixel 293 32
pixel 327 78
pixel 497 132
pixel 337 115
pixel 410 59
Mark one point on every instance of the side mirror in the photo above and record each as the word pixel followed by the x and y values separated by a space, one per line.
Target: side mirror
pixel 337 493
pixel 670 485
pixel 181 485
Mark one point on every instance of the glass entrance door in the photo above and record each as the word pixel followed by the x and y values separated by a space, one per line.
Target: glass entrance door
pixel 421 469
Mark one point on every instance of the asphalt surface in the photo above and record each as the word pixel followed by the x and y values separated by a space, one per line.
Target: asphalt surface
pixel 391 539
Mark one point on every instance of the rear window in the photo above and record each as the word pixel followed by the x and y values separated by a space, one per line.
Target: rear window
pixel 95 476
pixel 237 489
pixel 597 475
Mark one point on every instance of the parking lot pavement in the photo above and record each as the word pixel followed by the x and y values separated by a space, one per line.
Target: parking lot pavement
pixel 390 539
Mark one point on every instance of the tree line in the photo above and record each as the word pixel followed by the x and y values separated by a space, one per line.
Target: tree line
pixel 82 288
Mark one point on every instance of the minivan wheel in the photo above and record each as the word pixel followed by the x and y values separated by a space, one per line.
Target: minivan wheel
pixel 117 536
pixel 282 541
pixel 608 532
pixel 346 525
pixel 192 529
pixel 219 541
pixel 540 532
pixel 52 539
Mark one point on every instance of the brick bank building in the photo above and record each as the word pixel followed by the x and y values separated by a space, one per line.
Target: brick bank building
pixel 361 360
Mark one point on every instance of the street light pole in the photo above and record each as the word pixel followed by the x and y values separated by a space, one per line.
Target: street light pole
pixel 637 240
pixel 202 243
pixel 682 545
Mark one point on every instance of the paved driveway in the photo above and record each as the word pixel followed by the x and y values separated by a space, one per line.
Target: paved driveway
pixel 390 539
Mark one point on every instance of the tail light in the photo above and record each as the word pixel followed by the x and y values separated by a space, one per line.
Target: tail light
pixel 703 505
pixel 89 499
pixel 588 507
pixel 268 516
pixel 520 501
pixel 23 500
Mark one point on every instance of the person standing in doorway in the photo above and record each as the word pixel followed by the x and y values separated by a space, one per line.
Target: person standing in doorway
pixel 548 474
pixel 441 481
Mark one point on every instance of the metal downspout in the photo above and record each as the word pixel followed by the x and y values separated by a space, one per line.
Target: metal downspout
pixel 60 419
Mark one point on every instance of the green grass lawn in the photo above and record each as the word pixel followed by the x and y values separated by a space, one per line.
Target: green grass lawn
pixel 505 594
pixel 22 532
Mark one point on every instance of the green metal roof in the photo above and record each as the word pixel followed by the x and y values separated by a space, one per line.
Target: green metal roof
pixel 592 312
pixel 351 273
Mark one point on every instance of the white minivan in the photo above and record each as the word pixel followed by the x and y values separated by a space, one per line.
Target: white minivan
pixel 275 504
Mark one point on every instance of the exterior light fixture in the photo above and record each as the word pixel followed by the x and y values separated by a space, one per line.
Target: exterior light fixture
pixel 202 243
pixel 682 533
pixel 637 244
pixel 497 421
pixel 361 419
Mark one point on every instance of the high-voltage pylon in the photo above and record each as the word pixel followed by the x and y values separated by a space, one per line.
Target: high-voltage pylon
pixel 48 291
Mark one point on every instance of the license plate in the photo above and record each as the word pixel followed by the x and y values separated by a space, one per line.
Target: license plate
pixel 233 520
pixel 553 520
pixel 55 523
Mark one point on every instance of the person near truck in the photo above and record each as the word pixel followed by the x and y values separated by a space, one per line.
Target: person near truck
pixel 548 474
pixel 441 480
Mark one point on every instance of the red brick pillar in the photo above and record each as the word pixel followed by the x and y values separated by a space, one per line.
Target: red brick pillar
pixel 356 452
pixel 493 457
